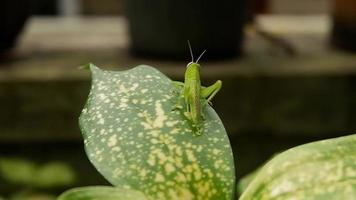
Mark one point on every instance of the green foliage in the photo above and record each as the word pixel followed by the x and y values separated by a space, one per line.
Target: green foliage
pixel 321 170
pixel 31 196
pixel 101 193
pixel 54 174
pixel 244 182
pixel 27 173
pixel 17 171
pixel 136 140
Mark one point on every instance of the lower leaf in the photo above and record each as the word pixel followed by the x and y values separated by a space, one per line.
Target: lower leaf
pixel 101 193
pixel 319 170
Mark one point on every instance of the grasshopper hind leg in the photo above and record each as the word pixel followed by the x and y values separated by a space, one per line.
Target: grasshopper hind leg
pixel 208 93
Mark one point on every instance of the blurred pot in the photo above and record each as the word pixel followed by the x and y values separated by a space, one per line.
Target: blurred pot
pixel 344 24
pixel 13 14
pixel 161 28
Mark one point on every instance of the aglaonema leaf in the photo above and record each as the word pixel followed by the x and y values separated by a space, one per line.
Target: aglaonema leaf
pixel 136 139
pixel 101 193
pixel 324 170
pixel 244 182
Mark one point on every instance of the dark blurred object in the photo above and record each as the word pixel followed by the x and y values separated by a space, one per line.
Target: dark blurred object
pixel 256 7
pixel 161 28
pixel 44 7
pixel 103 7
pixel 13 15
pixel 344 28
pixel 259 6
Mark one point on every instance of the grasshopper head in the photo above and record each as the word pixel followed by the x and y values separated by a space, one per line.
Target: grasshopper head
pixel 193 65
pixel 192 71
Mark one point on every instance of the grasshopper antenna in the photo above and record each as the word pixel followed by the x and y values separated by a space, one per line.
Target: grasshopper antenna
pixel 191 51
pixel 200 56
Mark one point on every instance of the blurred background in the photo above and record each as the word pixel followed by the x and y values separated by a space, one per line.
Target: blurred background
pixel 288 70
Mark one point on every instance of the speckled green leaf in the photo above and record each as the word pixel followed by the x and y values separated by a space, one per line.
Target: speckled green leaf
pixel 137 140
pixel 245 181
pixel 101 193
pixel 321 170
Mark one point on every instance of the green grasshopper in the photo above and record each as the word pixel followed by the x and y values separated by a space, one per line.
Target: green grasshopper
pixel 195 96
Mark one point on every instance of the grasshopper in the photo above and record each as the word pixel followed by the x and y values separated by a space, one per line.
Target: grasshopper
pixel 196 96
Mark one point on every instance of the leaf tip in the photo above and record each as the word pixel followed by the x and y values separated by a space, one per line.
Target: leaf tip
pixel 87 66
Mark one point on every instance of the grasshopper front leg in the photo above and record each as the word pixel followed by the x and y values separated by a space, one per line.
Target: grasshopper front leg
pixel 178 84
pixel 208 93
pixel 181 99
